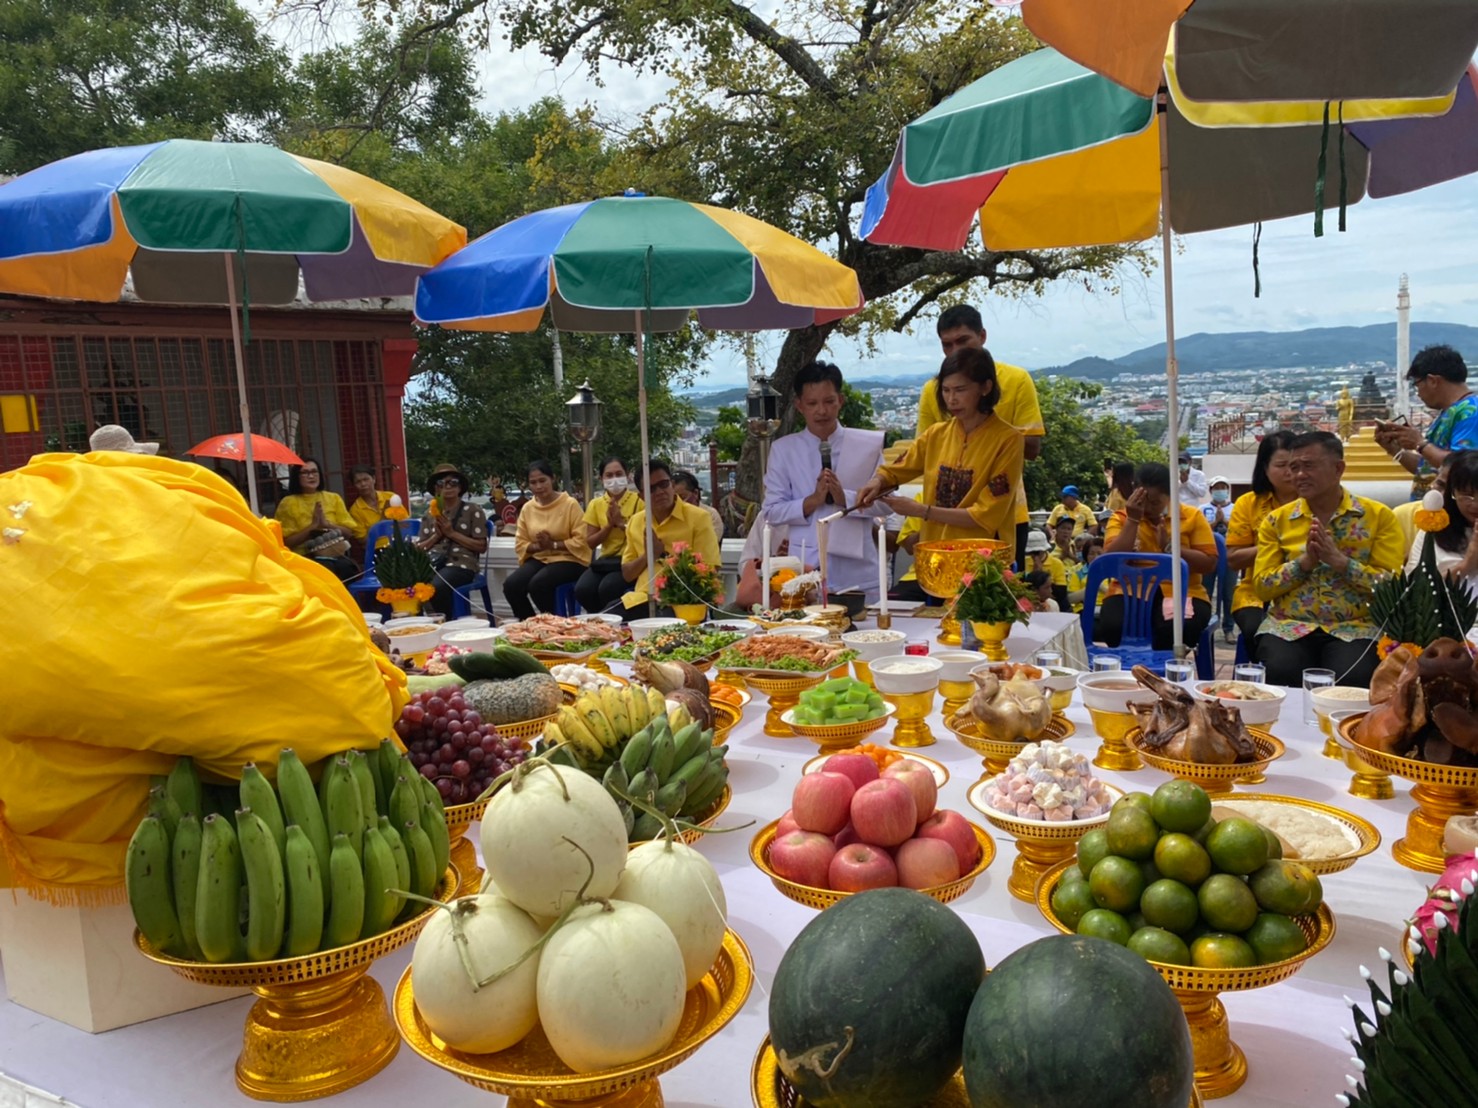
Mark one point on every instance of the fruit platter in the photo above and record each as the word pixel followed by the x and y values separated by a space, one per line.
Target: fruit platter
pixel 853 826
pixel 884 756
pixel 1252 918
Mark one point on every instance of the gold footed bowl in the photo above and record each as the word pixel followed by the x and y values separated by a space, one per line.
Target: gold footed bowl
pixel 532 1076
pixel 708 817
pixel 1439 791
pixel 1040 844
pixel 1221 1067
pixel 913 711
pixel 992 636
pixel 459 820
pixel 997 752
pixel 821 899
pixel 770 1089
pixel 320 1025
pixel 784 691
pixel 939 567
pixel 956 695
pixel 1114 752
pixel 836 736
pixel 1216 780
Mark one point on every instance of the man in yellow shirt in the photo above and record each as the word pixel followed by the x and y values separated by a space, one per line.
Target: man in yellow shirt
pixel 1016 403
pixel 1074 509
pixel 673 521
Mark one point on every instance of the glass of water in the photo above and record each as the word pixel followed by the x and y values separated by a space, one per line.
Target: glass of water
pixel 1047 659
pixel 1251 671
pixel 1106 663
pixel 1315 679
pixel 1180 672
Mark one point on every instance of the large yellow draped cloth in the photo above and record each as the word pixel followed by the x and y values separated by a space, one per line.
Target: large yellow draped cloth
pixel 147 614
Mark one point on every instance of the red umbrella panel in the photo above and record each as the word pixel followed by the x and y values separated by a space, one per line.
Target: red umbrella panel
pixel 233 447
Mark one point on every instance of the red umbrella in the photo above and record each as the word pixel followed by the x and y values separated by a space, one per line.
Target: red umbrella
pixel 263 449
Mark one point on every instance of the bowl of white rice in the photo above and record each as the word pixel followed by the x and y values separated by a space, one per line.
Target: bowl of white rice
pixel 1322 837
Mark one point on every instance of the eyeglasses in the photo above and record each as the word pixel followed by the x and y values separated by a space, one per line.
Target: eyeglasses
pixel 308 472
pixel 448 481
pixel 1466 499
pixel 661 486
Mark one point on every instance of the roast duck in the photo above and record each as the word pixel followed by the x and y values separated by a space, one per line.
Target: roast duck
pixel 1187 728
pixel 1424 706
pixel 1013 708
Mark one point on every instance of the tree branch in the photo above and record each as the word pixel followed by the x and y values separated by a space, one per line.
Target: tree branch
pixel 786 49
pixel 560 48
pixel 928 298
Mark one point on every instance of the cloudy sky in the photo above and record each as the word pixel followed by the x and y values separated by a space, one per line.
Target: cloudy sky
pixel 1339 279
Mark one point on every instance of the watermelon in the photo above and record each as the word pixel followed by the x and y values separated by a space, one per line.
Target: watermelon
pixel 1077 1022
pixel 869 1004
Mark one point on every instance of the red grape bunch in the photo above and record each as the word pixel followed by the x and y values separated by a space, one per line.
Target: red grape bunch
pixel 451 746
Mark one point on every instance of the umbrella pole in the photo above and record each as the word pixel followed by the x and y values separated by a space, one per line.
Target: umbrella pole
pixel 251 470
pixel 646 460
pixel 1172 400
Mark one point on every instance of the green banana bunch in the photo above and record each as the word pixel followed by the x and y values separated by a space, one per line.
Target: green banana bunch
pixel 150 894
pixel 266 886
pixel 218 892
pixel 305 894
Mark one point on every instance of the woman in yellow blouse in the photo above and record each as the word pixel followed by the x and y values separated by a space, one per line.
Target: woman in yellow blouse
pixel 550 544
pixel 673 521
pixel 970 464
pixel 601 585
pixel 311 517
pixel 1272 487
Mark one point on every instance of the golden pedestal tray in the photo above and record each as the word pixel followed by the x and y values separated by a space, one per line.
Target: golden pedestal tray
pixel 1221 1067
pixel 996 753
pixel 320 1025
pixel 956 695
pixel 759 854
pixel 1216 780
pixel 1439 792
pixel 1366 782
pixel 770 1089
pixel 836 736
pixel 913 711
pixel 725 716
pixel 1040 844
pixel 459 820
pixel 1114 752
pixel 939 567
pixel 531 1076
pixel 784 691
pixel 1363 830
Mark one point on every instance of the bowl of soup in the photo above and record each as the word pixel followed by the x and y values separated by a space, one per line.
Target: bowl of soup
pixel 1113 691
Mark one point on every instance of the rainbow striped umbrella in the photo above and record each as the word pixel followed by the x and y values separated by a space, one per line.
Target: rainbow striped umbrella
pixel 192 222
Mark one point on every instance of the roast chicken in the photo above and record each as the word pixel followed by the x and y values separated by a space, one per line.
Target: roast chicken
pixel 1014 709
pixel 1186 728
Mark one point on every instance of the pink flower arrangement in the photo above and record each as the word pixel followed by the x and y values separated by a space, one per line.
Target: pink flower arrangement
pixel 685 578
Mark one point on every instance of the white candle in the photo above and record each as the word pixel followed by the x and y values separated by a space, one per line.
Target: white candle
pixel 882 567
pixel 765 569
pixel 822 527
pixel 803 555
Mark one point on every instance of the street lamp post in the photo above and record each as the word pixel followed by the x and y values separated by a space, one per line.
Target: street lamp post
pixel 583 414
pixel 764 417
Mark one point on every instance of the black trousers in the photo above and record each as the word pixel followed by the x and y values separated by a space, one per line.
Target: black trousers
pixel 1108 626
pixel 1248 619
pixel 448 580
pixel 911 592
pixel 1353 662
pixel 598 590
pixel 534 583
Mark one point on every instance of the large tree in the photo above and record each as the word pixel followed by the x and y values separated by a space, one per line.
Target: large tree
pixel 1086 443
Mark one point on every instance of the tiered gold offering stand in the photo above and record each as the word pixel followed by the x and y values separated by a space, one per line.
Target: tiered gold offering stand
pixel 939 567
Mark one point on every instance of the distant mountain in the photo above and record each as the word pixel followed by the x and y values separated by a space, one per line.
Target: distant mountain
pixel 736 396
pixel 1317 347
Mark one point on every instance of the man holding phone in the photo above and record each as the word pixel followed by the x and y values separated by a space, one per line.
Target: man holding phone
pixel 1439 375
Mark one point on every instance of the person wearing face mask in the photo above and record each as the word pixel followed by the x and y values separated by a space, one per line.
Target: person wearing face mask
pixel 1218 513
pixel 673 521
pixel 601 586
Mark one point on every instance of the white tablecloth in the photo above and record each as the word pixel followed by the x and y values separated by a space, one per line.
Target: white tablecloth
pixel 1290 1032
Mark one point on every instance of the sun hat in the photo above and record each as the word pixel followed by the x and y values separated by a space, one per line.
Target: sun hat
pixel 1219 481
pixel 446 469
pixel 1037 542
pixel 110 436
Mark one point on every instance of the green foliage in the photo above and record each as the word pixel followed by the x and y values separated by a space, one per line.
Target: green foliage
pixel 487 402
pixel 990 594
pixel 1076 446
pixel 856 409
pixel 728 433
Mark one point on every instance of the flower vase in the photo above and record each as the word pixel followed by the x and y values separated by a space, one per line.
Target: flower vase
pixel 992 638
pixel 405 606
pixel 691 614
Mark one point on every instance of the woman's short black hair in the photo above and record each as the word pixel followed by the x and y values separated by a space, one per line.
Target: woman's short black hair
pixel 539 465
pixel 294 477
pixel 816 373
pixel 1123 478
pixel 368 471
pixel 976 364
pixel 1270 445
pixel 1461 467
pixel 1153 475
pixel 607 460
pixel 686 480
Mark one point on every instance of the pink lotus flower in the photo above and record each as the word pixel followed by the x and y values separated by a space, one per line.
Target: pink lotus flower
pixel 679 547
pixel 661 582
pixel 967 579
pixel 1024 604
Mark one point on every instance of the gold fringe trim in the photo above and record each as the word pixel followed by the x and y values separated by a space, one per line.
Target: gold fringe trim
pixel 60 896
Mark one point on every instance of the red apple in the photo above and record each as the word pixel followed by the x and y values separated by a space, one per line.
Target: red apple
pixel 920 781
pixel 845 837
pixel 859 768
pixel 924 863
pixel 822 802
pixel 954 829
pixel 860 866
pixel 786 824
pixel 803 857
pixel 884 812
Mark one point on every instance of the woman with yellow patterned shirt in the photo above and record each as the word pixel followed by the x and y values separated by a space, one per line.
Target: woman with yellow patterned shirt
pixel 1272 487
pixel 970 464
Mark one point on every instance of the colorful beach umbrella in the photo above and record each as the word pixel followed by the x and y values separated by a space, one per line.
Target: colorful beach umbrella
pixel 213 223
pixel 1047 153
pixel 234 448
pixel 637 263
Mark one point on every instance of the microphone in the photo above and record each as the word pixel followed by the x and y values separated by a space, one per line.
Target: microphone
pixel 826 464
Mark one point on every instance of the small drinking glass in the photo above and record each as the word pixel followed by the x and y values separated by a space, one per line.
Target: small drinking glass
pixel 1180 672
pixel 1106 663
pixel 1251 671
pixel 1315 679
pixel 1047 659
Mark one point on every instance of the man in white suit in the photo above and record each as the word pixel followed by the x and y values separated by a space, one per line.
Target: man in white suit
pixel 817 472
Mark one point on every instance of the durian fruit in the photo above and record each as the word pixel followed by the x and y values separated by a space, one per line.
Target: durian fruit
pixel 1414 1052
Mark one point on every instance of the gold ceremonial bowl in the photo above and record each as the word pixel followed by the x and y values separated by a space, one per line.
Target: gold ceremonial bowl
pixel 832 737
pixel 1040 844
pixel 532 1076
pixel 1439 791
pixel 1214 779
pixel 940 565
pixel 996 749
pixel 1221 1067
pixel 1363 830
pixel 784 692
pixel 459 820
pixel 759 853
pixel 320 1025
pixel 770 1089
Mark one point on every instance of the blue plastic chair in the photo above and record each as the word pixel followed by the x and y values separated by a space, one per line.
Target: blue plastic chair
pixel 1139 577
pixel 367 582
pixel 1205 659
pixel 565 603
pixel 462 598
